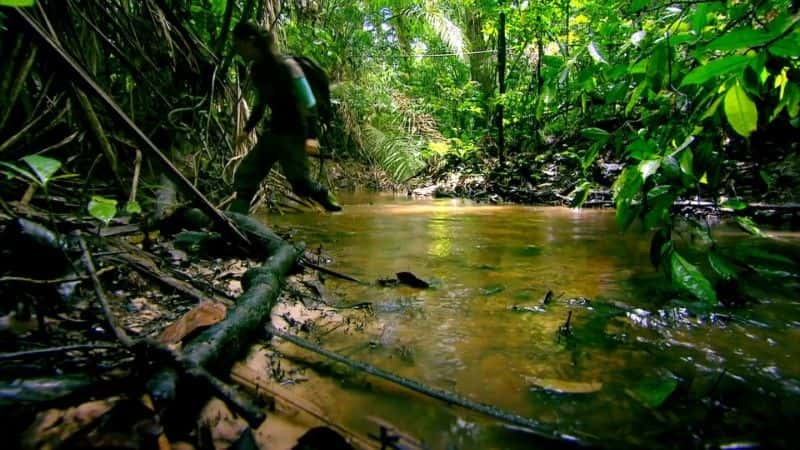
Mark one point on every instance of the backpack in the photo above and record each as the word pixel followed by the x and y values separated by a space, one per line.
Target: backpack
pixel 319 82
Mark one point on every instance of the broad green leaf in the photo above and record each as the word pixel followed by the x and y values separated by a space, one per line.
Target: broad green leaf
pixel 734 204
pixel 653 392
pixel 133 207
pixel 637 5
pixel 740 111
pixel 700 17
pixel 722 266
pixel 590 156
pixel 715 68
pixel 740 38
pixel 657 67
pixel 788 47
pixel 635 96
pixel 103 209
pixel 659 211
pixel 18 172
pixel 17 2
pixel 581 193
pixel 596 134
pixel 686 276
pixel 687 162
pixel 641 149
pixel 747 224
pixel 42 166
pixel 625 189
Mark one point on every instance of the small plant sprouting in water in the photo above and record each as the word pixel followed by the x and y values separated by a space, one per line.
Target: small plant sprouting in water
pixel 566 329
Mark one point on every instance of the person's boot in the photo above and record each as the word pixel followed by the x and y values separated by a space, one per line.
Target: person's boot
pixel 330 203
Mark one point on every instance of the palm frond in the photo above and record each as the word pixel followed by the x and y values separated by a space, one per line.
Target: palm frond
pixel 450 33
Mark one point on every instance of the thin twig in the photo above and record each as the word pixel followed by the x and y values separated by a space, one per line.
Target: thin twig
pixel 101 296
pixel 33 354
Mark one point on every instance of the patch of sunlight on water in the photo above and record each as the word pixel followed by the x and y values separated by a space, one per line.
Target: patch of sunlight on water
pixel 482 332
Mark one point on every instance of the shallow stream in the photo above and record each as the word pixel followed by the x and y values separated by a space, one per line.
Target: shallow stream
pixel 635 368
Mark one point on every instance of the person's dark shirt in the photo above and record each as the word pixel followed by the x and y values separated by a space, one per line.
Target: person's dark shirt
pixel 275 88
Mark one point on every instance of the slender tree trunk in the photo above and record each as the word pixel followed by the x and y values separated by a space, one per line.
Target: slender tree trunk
pixel 226 25
pixel 501 81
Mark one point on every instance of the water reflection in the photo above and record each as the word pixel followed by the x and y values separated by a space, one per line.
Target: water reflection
pixel 483 331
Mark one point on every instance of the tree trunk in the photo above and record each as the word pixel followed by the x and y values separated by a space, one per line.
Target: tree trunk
pixel 501 81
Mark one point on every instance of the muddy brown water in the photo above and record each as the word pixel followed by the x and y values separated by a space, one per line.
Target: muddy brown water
pixel 482 330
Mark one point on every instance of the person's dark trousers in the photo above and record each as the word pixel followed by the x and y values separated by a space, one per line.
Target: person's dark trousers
pixel 271 147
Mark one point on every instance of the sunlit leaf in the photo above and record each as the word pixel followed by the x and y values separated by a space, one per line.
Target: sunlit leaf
pixel 103 209
pixel 715 68
pixel 43 167
pixel 724 268
pixel 687 162
pixel 649 167
pixel 747 224
pixel 636 38
pixel 688 277
pixel 734 204
pixel 133 207
pixel 594 52
pixel 741 38
pixel 17 2
pixel 740 111
pixel 653 392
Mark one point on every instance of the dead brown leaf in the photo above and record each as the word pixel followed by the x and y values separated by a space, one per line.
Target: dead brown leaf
pixel 203 315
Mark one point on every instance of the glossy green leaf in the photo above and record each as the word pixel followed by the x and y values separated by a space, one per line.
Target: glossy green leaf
pixel 103 209
pixel 715 68
pixel 591 155
pixel 747 224
pixel 740 38
pixel 17 2
pixel 657 67
pixel 653 392
pixel 596 134
pixel 635 96
pixel 638 5
pixel 689 278
pixel 700 17
pixel 724 268
pixel 43 167
pixel 133 207
pixel 734 204
pixel 740 111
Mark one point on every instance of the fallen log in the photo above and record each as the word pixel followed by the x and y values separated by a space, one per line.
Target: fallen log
pixel 220 346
